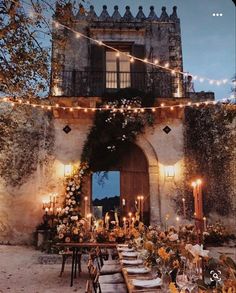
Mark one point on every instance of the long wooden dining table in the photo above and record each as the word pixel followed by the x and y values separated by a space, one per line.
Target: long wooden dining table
pixel 130 277
pixel 75 247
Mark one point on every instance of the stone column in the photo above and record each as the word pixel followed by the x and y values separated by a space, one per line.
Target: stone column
pixel 155 207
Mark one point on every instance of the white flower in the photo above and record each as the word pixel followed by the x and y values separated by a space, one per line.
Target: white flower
pixel 73 189
pixel 74 218
pixel 66 208
pixel 71 193
pixel 67 188
pixel 173 237
pixel 197 250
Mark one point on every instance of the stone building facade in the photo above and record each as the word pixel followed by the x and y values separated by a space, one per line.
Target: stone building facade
pixel 82 72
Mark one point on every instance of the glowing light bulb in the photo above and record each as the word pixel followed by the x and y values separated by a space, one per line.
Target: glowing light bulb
pixel 131 59
pixel 117 54
pixel 162 104
pixel 156 61
pixel 171 108
pixel 71 109
pixel 167 65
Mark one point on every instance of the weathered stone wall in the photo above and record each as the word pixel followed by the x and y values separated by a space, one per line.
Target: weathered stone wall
pixel 34 149
pixel 161 37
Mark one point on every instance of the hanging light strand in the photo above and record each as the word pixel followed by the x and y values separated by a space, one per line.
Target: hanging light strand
pixel 132 58
pixel 49 107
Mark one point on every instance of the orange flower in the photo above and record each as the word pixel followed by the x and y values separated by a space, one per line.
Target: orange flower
pixel 163 254
pixel 148 245
pixel 172 288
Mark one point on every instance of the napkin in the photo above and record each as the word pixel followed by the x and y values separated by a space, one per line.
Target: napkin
pixel 138 270
pixel 132 261
pixel 147 283
pixel 130 253
pixel 125 249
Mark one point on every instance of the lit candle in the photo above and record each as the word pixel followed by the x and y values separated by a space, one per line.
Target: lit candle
pixel 132 221
pixel 124 225
pixel 107 222
pixel 177 223
pixel 138 198
pixel 141 204
pixel 85 206
pixel 184 208
pixel 205 223
pixel 130 215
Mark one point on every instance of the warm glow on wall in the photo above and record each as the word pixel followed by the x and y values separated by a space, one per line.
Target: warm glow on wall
pixel 68 170
pixel 170 171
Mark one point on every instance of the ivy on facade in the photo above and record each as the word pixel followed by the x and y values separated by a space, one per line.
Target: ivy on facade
pixel 209 153
pixel 113 129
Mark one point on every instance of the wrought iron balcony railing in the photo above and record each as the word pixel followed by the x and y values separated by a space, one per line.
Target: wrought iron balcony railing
pixel 95 83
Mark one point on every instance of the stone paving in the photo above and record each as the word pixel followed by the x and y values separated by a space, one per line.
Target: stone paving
pixel 24 269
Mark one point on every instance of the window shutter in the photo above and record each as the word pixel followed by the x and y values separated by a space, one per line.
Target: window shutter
pixel 138 68
pixel 97 70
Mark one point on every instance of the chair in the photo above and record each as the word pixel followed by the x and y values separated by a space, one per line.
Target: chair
pixel 89 287
pixel 106 283
pixel 65 256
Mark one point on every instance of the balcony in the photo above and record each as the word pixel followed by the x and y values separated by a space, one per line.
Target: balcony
pixel 96 83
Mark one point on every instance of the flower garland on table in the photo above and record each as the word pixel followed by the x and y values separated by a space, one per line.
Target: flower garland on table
pixel 72 227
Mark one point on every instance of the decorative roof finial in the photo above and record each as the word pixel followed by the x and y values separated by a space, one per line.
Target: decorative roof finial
pixel 104 15
pixel 116 14
pixel 174 15
pixel 128 15
pixel 140 15
pixel 152 15
pixel 92 14
pixel 164 16
pixel 81 13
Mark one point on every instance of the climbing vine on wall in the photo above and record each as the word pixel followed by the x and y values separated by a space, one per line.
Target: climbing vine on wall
pixel 26 142
pixel 209 154
pixel 113 129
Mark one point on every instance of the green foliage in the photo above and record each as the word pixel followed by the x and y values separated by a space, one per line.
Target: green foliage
pixel 209 147
pixel 113 130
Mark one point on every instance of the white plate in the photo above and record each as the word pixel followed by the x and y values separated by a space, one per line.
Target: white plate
pixel 147 283
pixel 138 270
pixel 132 261
pixel 126 249
pixel 130 254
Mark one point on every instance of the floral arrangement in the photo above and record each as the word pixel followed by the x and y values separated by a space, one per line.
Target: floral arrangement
pixel 217 235
pixel 71 226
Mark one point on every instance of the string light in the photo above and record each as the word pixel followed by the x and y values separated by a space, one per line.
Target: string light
pixel 155 63
pixel 107 107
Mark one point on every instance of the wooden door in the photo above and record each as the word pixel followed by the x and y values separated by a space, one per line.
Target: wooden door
pixel 134 181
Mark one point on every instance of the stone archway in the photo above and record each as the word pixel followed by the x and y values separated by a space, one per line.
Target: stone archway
pixel 153 171
pixel 153 176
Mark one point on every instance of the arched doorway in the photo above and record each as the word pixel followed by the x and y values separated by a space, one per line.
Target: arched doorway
pixel 140 174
